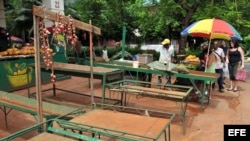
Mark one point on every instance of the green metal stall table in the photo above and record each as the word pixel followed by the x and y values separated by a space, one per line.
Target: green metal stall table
pixel 120 123
pixel 192 75
pixel 105 74
pixel 9 101
pixel 14 71
pixel 175 93
pixel 127 66
pixel 106 122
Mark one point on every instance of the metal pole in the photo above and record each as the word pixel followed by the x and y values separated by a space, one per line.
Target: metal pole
pixel 38 70
pixel 91 66
pixel 123 41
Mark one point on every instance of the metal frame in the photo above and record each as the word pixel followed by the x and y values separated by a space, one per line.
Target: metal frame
pixel 121 86
pixel 97 131
pixel 47 123
pixel 27 105
pixel 192 75
pixel 104 76
pixel 72 129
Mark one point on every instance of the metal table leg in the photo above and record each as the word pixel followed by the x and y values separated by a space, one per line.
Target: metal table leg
pixel 4 109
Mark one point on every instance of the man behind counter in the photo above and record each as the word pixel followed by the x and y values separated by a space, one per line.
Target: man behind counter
pixel 166 54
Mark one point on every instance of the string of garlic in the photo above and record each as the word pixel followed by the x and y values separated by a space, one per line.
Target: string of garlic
pixel 45 50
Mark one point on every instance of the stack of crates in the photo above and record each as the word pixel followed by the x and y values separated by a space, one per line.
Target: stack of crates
pixel 145 58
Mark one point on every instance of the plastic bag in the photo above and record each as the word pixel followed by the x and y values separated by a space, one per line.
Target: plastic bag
pixel 225 71
pixel 160 66
pixel 241 75
pixel 170 67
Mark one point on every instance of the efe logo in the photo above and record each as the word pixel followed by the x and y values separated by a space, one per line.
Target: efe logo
pixel 236 132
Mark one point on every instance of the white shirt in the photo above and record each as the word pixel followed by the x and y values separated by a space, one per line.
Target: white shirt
pixel 165 54
pixel 219 63
pixel 104 53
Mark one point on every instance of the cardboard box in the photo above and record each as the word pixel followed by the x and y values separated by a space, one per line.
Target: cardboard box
pixel 145 58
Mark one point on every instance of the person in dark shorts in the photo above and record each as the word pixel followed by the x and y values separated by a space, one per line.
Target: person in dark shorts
pixel 235 59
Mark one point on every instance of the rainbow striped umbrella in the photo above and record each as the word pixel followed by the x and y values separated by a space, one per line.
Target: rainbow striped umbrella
pixel 212 29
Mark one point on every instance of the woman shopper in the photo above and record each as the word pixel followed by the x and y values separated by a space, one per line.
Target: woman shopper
pixel 210 67
pixel 201 67
pixel 209 62
pixel 235 59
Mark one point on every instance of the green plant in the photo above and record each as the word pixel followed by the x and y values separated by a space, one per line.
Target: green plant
pixel 246 45
pixel 193 51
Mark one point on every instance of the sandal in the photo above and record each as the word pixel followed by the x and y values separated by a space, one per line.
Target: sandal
pixel 235 90
pixel 230 89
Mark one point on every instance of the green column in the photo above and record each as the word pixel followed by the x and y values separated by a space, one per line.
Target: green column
pixel 123 41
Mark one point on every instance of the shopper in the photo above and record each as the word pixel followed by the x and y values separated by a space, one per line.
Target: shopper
pixel 210 67
pixel 220 57
pixel 105 54
pixel 235 59
pixel 202 57
pixel 225 48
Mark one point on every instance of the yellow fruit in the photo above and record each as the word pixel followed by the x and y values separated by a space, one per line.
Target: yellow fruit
pixel 32 51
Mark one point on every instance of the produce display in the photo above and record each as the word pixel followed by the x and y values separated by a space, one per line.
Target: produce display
pixel 192 58
pixel 190 62
pixel 27 50
pixel 188 66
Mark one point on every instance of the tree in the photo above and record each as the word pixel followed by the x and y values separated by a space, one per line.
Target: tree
pixel 155 19
pixel 19 17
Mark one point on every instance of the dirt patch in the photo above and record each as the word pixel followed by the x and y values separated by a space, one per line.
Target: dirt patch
pixel 233 101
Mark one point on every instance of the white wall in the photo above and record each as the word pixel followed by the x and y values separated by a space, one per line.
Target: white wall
pixel 155 46
pixel 53 5
pixel 2 15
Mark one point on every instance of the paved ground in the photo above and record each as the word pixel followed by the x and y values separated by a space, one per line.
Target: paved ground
pixel 207 125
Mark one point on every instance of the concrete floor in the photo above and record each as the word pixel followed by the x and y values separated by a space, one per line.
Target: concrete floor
pixel 207 125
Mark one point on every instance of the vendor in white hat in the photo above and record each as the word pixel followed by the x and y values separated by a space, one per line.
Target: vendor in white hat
pixel 166 53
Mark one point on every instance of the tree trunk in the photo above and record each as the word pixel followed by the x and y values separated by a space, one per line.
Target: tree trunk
pixel 185 22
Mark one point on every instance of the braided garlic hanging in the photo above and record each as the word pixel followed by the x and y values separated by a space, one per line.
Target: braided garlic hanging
pixel 45 50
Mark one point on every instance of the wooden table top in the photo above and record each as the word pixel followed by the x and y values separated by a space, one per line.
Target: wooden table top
pixel 25 103
pixel 123 122
pixel 156 90
pixel 82 67
pixel 50 137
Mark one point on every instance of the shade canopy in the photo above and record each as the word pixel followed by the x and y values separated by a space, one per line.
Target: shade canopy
pixel 212 29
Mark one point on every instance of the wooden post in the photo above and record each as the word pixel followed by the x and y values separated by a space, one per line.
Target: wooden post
pixel 38 70
pixel 41 11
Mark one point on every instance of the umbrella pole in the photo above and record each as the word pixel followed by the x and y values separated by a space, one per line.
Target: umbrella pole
pixel 209 44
